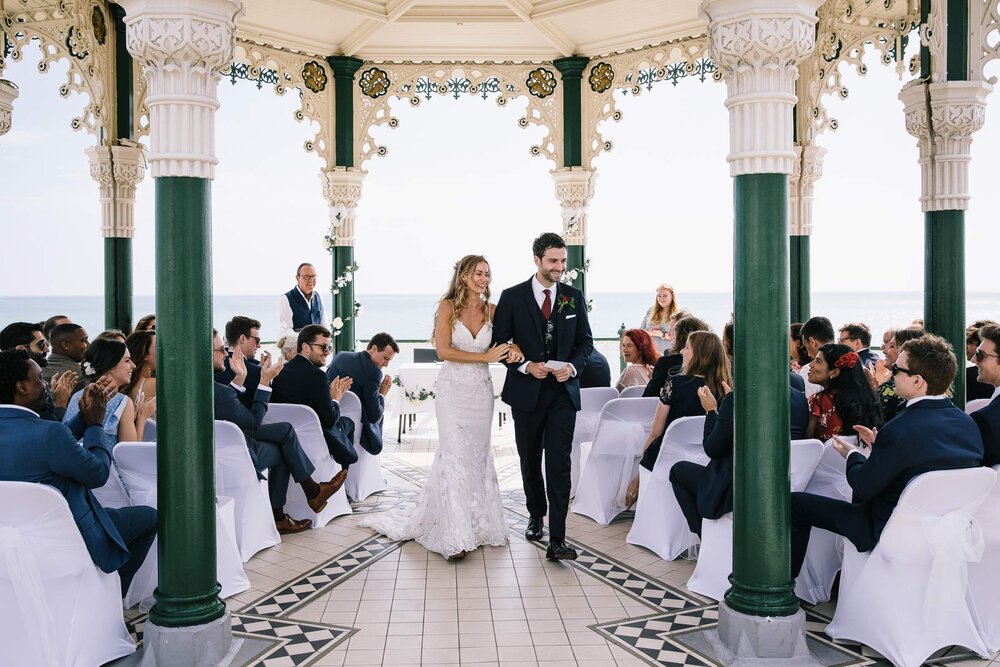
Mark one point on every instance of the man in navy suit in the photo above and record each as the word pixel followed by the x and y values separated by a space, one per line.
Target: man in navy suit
pixel 273 447
pixel 303 382
pixel 368 382
pixel 858 337
pixel 548 321
pixel 243 333
pixel 597 373
pixel 47 452
pixel 988 418
pixel 929 434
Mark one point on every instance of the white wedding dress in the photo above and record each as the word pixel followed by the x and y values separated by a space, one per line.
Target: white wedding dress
pixel 460 507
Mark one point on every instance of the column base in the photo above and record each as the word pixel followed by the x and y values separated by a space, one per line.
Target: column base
pixel 192 646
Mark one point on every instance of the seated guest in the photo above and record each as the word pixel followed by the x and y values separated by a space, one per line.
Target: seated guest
pixel 670 364
pixel 881 376
pixel 847 398
pixel 640 356
pixel 929 434
pixel 69 343
pixel 816 332
pixel 705 365
pixel 147 323
pixel 28 337
pixel 706 492
pixel 52 323
pixel 858 337
pixel 243 333
pixel 796 350
pixel 303 382
pixel 728 334
pixel 141 345
pixel 286 344
pixel 368 382
pixel 273 447
pixel 111 334
pixel 108 363
pixel 597 372
pixel 45 452
pixel 658 320
pixel 974 388
pixel 302 304
pixel 988 418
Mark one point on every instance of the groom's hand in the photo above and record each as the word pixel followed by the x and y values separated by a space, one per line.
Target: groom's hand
pixel 538 369
pixel 563 374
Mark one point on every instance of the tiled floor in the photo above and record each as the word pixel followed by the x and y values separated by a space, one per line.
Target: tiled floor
pixel 341 595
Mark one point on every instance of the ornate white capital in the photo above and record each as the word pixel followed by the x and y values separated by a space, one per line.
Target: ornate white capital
pixel 8 93
pixel 118 170
pixel 574 190
pixel 182 46
pixel 757 47
pixel 342 188
pixel 957 110
pixel 807 169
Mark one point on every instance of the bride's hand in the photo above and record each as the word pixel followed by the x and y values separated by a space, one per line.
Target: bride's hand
pixel 497 353
pixel 515 355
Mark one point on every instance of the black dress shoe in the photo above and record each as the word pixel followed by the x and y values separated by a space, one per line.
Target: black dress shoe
pixel 559 550
pixel 534 531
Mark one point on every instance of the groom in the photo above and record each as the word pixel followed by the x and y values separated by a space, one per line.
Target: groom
pixel 548 321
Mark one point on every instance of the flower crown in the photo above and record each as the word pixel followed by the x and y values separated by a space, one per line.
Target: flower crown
pixel 848 359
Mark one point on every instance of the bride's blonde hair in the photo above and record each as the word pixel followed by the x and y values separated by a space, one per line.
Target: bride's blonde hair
pixel 459 295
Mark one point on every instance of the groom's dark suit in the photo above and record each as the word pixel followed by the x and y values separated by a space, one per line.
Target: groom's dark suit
pixel 544 411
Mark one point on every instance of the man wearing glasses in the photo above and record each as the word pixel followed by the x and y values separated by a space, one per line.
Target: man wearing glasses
pixel 987 358
pixel 302 304
pixel 243 333
pixel 929 434
pixel 28 337
pixel 858 337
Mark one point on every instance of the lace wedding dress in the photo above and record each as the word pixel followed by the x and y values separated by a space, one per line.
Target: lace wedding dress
pixel 459 508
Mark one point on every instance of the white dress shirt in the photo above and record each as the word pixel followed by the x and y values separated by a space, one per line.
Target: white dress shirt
pixel 285 313
pixel 922 398
pixel 539 291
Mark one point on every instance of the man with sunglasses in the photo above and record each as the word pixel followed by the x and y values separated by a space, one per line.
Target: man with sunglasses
pixel 987 359
pixel 929 434
pixel 243 333
pixel 303 382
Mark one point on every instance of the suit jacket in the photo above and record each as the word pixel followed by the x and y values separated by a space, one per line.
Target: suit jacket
pixel 715 491
pixel 47 452
pixel 251 382
pixel 303 383
pixel 519 318
pixel 229 408
pixel 929 435
pixel 867 357
pixel 988 421
pixel 667 365
pixel 367 378
pixel 597 373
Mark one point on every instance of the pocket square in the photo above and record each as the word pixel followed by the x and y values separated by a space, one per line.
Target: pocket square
pixel 569 317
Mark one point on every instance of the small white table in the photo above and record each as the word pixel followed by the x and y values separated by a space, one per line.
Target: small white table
pixel 415 392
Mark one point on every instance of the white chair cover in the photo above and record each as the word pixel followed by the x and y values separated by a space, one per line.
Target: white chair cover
pixel 984 584
pixel 715 560
pixel 236 477
pixel 659 524
pixel 613 457
pixel 149 432
pixel 56 606
pixel 137 462
pixel 364 477
pixel 635 391
pixel 908 597
pixel 592 401
pixel 310 433
pixel 112 494
pixel 976 404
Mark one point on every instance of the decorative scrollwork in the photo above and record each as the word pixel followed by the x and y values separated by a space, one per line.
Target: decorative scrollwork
pixel 541 82
pixel 244 72
pixel 314 76
pixel 374 82
pixel 602 75
pixel 984 42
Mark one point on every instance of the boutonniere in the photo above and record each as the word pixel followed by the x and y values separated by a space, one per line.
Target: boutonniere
pixel 565 301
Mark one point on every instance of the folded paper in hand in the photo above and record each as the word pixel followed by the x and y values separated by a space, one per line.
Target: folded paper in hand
pixel 554 365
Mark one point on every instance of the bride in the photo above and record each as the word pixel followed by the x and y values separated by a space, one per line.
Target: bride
pixel 459 508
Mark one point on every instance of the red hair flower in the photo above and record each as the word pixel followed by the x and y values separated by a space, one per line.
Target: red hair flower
pixel 848 359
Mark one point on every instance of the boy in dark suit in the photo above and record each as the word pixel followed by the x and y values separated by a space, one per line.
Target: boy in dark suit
pixel 988 419
pixel 929 434
pixel 369 383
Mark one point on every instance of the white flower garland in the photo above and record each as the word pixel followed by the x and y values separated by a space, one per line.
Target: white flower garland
pixel 337 215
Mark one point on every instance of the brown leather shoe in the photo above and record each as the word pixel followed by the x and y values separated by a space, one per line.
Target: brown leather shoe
pixel 326 490
pixel 288 525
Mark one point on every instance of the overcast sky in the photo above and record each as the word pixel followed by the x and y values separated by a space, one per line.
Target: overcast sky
pixel 459 179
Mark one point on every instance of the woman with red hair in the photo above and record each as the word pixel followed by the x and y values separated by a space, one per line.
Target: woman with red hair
pixel 640 356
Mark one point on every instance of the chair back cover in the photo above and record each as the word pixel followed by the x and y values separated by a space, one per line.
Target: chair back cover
pixel 635 391
pixel 593 399
pixel 681 442
pixel 364 477
pixel 137 463
pixel 805 455
pixel 149 432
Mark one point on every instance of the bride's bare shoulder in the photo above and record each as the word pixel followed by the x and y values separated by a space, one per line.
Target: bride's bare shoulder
pixel 445 308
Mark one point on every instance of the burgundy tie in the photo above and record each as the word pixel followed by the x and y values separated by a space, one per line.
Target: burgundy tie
pixel 546 305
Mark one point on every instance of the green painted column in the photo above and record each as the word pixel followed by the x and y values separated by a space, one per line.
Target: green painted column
pixel 118 284
pixel 944 284
pixel 188 590
pixel 761 580
pixel 571 69
pixel 798 247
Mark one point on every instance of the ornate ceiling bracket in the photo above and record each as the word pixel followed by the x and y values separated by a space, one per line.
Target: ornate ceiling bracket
pixel 8 93
pixel 943 117
pixel 634 71
pixel 118 170
pixel 984 42
pixel 342 188
pixel 378 83
pixel 807 169
pixel 574 190
pixel 78 31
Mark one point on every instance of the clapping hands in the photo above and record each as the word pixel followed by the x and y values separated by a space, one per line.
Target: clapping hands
pixel 269 370
pixel 62 388
pixel 877 374
pixel 238 365
pixel 386 384
pixel 707 398
pixel 93 403
pixel 339 387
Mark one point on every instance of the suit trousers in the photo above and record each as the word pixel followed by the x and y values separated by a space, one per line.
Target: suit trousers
pixel 137 526
pixel 340 443
pixel 810 510
pixel 276 448
pixel 685 477
pixel 548 430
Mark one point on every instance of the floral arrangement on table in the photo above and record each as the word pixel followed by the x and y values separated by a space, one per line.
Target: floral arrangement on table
pixel 418 395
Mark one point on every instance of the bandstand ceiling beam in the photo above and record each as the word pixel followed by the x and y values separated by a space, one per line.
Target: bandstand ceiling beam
pixel 523 9
pixel 554 8
pixel 365 8
pixel 357 39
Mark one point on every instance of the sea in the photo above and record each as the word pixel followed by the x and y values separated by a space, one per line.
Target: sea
pixel 409 317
